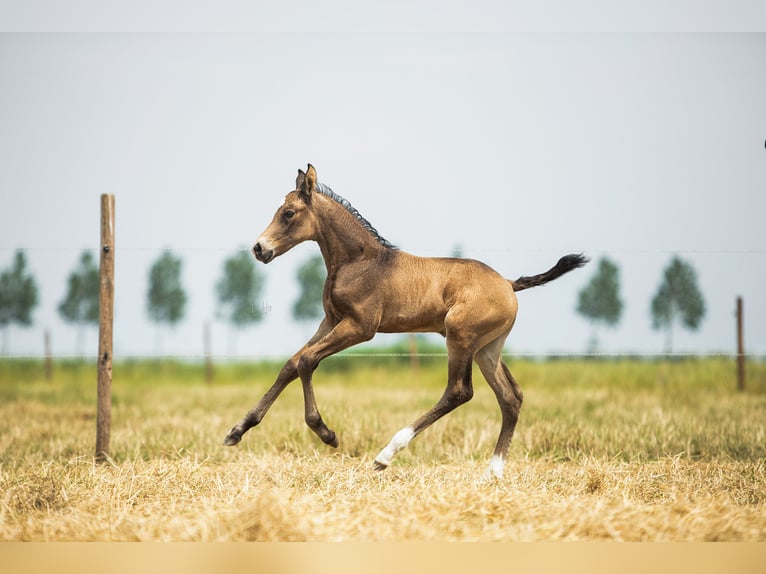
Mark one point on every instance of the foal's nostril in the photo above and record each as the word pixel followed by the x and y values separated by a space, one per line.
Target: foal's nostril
pixel 263 252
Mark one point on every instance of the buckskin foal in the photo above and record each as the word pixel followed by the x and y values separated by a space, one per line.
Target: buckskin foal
pixel 373 287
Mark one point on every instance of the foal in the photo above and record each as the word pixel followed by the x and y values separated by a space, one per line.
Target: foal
pixel 372 287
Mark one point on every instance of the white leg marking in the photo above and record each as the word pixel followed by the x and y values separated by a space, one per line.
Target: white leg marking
pixel 400 440
pixel 496 467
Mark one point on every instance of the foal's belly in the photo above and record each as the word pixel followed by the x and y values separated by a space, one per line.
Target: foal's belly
pixel 412 319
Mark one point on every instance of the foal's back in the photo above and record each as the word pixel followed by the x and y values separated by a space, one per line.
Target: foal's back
pixel 429 288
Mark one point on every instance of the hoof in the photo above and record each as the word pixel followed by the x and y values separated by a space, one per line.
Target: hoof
pixel 379 466
pixel 233 438
pixel 333 440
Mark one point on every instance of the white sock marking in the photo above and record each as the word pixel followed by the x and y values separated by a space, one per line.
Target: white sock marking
pixel 400 440
pixel 496 467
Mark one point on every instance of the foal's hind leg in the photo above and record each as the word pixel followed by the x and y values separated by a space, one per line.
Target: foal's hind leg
pixel 509 397
pixel 459 391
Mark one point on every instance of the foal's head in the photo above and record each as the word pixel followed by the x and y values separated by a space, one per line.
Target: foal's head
pixel 293 223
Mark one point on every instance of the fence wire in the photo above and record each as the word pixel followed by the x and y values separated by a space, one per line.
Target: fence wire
pixel 508 355
pixel 475 250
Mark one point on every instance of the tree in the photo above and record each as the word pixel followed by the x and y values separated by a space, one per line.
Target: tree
pixel 18 296
pixel 80 304
pixel 238 291
pixel 678 298
pixel 166 298
pixel 311 278
pixel 599 301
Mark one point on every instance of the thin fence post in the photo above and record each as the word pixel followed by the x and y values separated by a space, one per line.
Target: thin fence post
pixel 208 354
pixel 106 320
pixel 414 357
pixel 740 347
pixel 48 356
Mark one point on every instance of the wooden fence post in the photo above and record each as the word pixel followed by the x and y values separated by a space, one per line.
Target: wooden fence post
pixel 740 348
pixel 208 354
pixel 414 356
pixel 48 356
pixel 106 320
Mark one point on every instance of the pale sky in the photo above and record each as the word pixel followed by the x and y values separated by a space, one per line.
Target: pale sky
pixel 520 147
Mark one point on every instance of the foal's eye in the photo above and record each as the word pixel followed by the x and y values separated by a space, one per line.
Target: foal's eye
pixel 289 213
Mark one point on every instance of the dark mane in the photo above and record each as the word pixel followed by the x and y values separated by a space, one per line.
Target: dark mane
pixel 325 190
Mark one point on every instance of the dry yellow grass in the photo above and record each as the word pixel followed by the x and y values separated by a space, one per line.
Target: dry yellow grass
pixel 334 498
pixel 646 459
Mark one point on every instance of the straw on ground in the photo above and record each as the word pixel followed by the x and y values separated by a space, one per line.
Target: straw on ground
pixel 604 451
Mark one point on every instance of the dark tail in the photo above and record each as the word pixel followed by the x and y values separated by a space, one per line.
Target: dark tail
pixel 564 265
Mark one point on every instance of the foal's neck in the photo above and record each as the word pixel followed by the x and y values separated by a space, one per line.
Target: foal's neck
pixel 341 238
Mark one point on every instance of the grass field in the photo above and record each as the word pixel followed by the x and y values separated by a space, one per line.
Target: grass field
pixel 617 450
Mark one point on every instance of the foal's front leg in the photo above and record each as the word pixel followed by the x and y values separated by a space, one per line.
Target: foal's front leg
pixel 254 416
pixel 286 376
pixel 344 335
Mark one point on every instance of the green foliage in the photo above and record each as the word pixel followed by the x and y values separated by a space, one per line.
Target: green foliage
pixel 80 304
pixel 311 278
pixel 18 293
pixel 166 299
pixel 239 289
pixel 678 297
pixel 394 355
pixel 18 296
pixel 599 301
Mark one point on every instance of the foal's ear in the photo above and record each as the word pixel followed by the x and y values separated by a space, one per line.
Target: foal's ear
pixel 299 179
pixel 308 185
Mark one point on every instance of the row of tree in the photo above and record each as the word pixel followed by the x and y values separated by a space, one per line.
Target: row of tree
pixel 678 298
pixel 238 292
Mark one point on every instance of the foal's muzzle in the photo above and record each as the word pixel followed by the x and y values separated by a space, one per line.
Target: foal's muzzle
pixel 262 253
